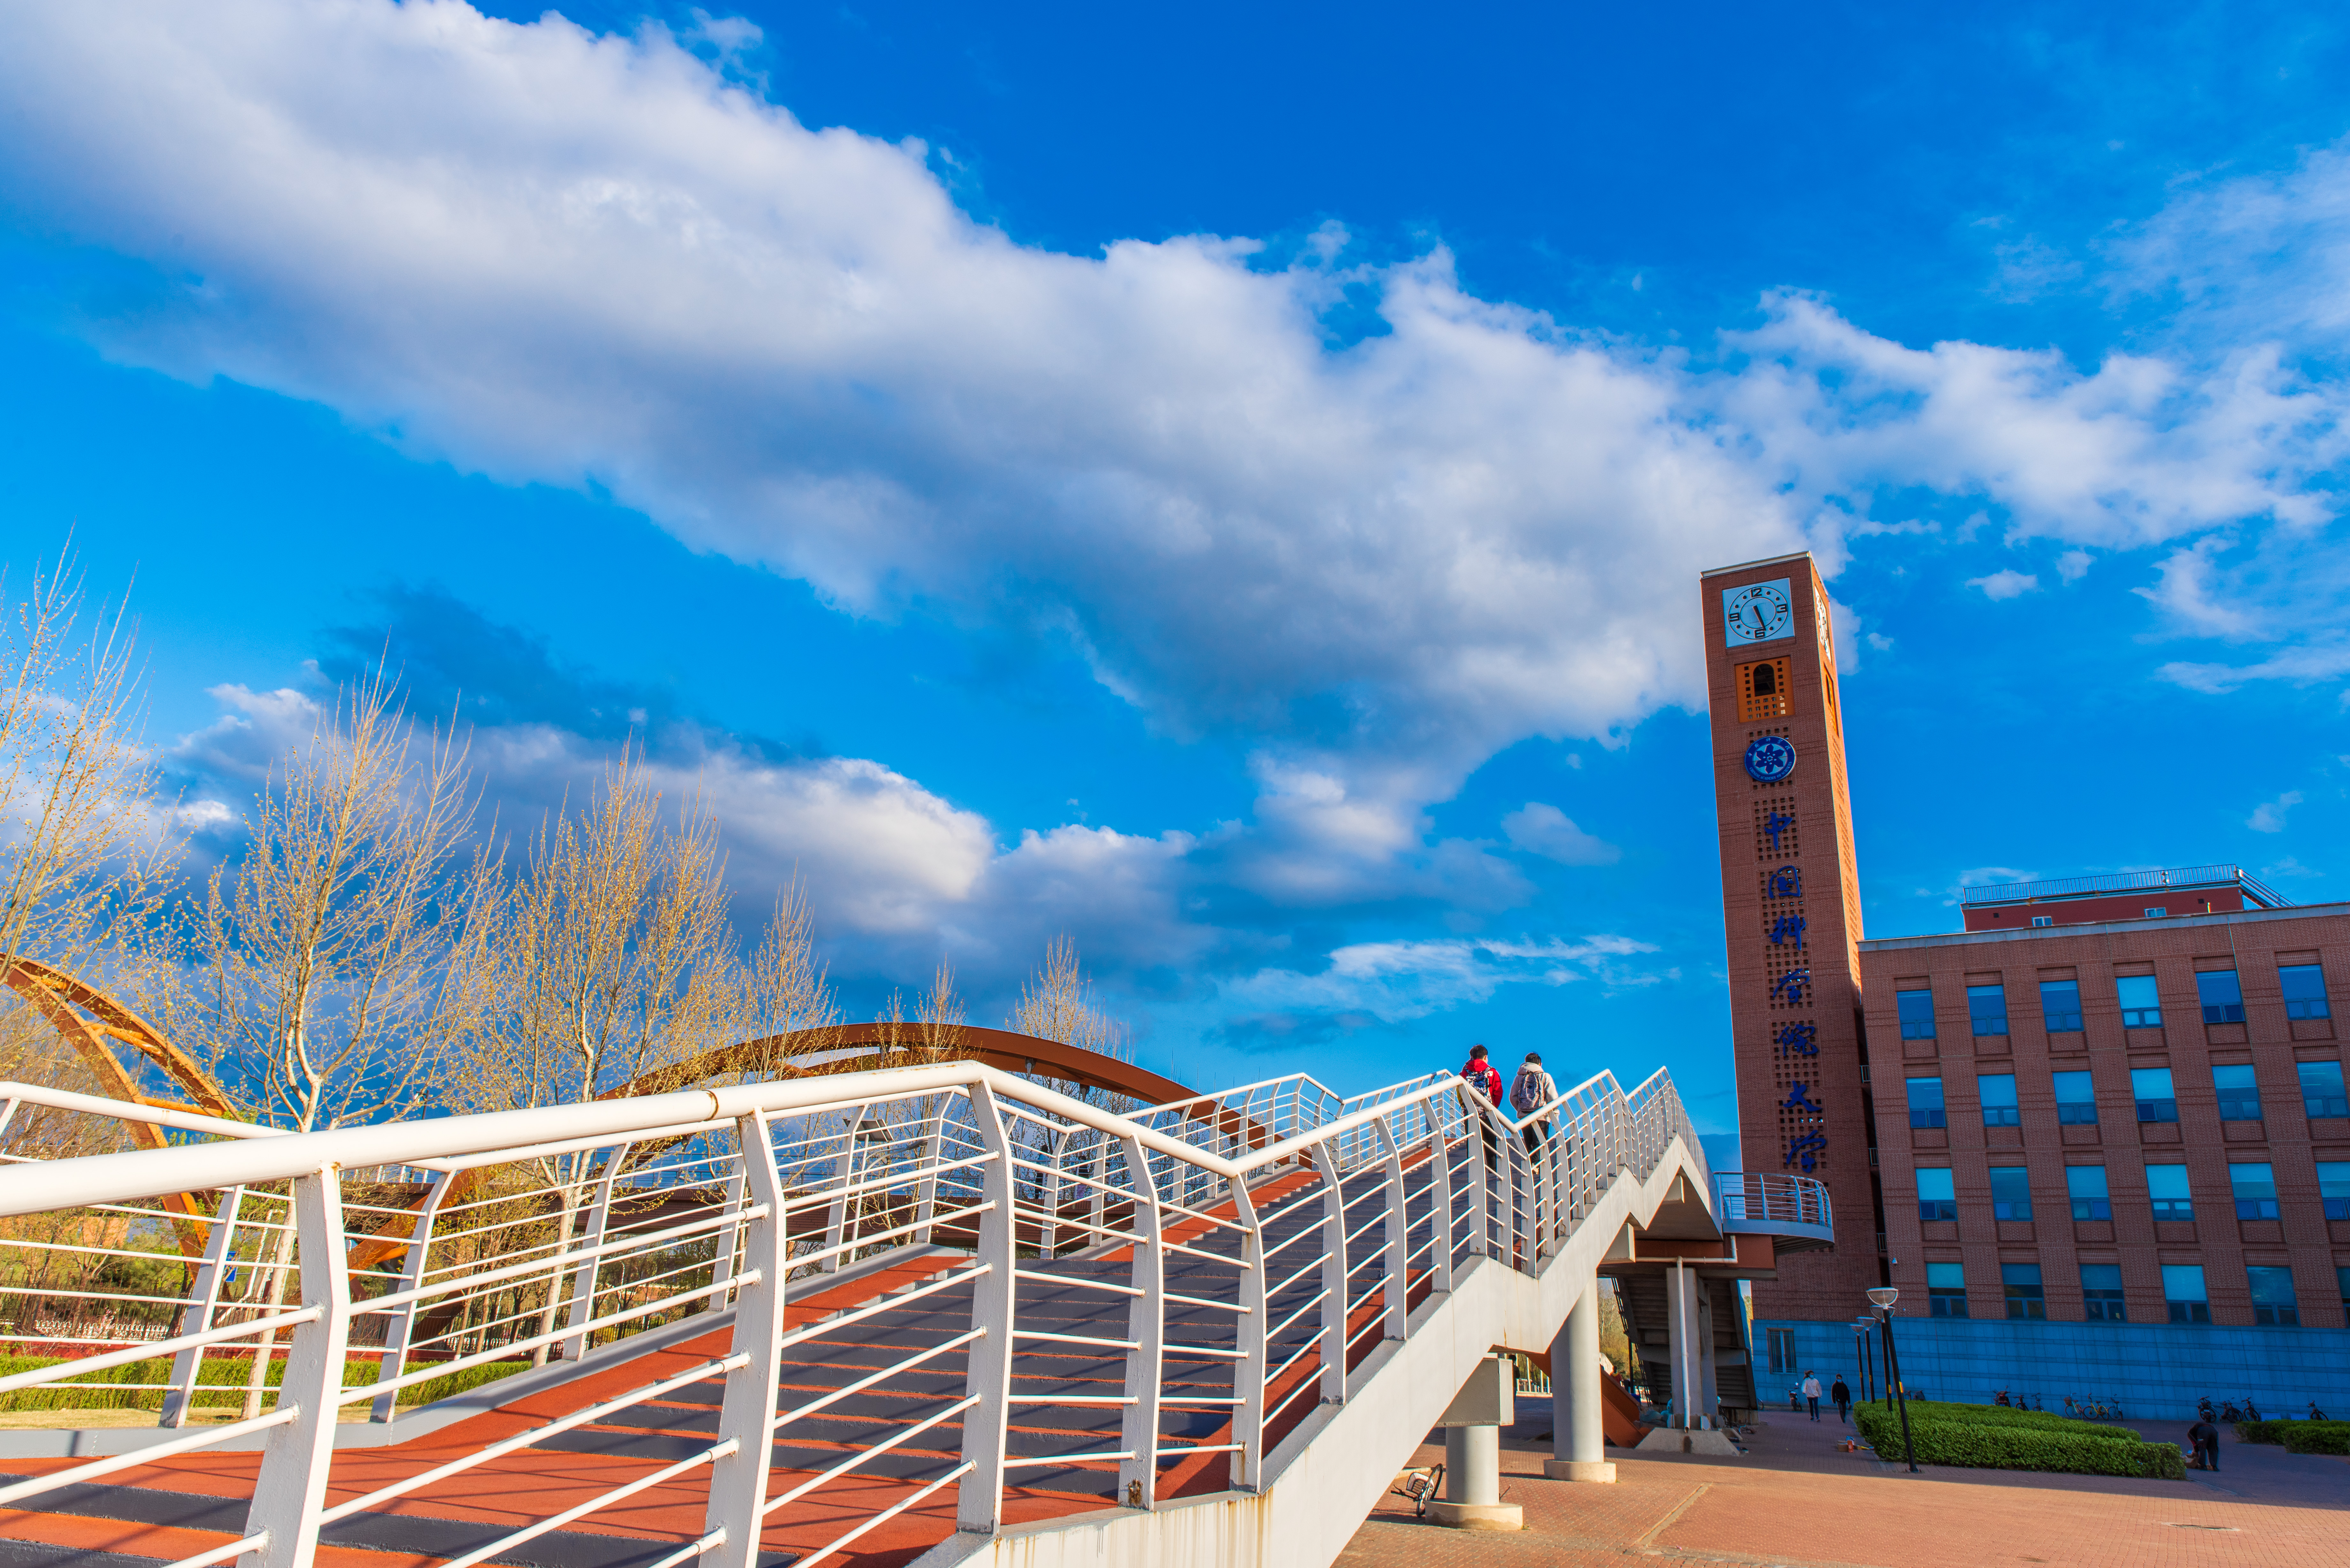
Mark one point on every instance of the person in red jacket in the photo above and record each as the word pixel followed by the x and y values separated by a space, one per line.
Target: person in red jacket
pixel 1483 1079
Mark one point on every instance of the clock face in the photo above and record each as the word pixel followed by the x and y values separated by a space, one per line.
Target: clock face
pixel 1759 612
pixel 1770 759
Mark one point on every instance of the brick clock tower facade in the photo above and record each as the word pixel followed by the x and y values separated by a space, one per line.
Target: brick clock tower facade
pixel 1791 906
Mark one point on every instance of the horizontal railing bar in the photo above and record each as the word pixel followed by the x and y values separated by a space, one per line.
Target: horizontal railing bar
pixel 642 1483
pixel 575 1256
pixel 885 1516
pixel 824 1326
pixel 778 1423
pixel 858 1457
pixel 525 1440
pixel 202 1439
pixel 84 1366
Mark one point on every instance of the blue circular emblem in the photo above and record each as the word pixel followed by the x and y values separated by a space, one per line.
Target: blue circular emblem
pixel 1770 759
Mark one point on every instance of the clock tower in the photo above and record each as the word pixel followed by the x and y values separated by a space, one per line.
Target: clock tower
pixel 1790 907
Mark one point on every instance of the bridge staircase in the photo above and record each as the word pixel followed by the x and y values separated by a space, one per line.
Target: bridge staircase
pixel 936 1315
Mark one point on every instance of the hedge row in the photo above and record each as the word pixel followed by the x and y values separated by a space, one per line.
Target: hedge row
pixel 2298 1436
pixel 2029 1421
pixel 220 1383
pixel 2315 1436
pixel 1962 1436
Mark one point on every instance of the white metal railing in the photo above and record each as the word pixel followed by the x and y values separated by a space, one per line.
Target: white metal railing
pixel 1762 1196
pixel 1240 1253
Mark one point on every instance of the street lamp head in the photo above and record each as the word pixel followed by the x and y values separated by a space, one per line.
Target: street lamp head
pixel 1883 1296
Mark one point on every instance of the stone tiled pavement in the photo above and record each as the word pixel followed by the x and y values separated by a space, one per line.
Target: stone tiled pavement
pixel 1794 1499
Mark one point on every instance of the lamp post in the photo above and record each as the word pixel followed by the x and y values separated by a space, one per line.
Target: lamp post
pixel 1863 1354
pixel 1882 1298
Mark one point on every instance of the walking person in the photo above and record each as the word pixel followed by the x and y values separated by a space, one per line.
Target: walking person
pixel 1842 1393
pixel 2205 1436
pixel 1530 1091
pixel 1485 1080
pixel 1811 1393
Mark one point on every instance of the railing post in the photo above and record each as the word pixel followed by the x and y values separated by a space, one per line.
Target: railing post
pixel 1481 1185
pixel 397 1333
pixel 1439 1201
pixel 730 1235
pixel 836 1228
pixel 290 1491
pixel 1249 1371
pixel 738 1482
pixel 180 1396
pixel 1048 1234
pixel 1146 1324
pixel 926 1188
pixel 1397 1289
pixel 583 1278
pixel 979 1496
pixel 1334 1278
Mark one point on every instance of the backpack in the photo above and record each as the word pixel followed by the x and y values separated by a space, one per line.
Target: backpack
pixel 1487 1081
pixel 1526 1093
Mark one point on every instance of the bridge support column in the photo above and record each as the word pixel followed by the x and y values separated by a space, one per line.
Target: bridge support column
pixel 1578 1446
pixel 1683 1349
pixel 1709 1405
pixel 1472 1451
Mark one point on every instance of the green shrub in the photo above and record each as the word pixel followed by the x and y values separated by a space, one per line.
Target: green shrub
pixel 2270 1431
pixel 2314 1437
pixel 220 1383
pixel 1977 1436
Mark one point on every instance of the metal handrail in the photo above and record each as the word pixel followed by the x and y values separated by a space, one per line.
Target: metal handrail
pixel 1376 1194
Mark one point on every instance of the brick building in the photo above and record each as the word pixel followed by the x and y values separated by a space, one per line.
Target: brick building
pixel 2097 1139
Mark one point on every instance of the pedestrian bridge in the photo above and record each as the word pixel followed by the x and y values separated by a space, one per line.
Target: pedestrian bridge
pixel 924 1314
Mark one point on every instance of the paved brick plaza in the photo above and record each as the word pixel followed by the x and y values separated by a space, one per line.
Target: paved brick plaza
pixel 1793 1500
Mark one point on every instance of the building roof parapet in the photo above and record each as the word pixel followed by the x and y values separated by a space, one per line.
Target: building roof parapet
pixel 2092 928
pixel 2178 876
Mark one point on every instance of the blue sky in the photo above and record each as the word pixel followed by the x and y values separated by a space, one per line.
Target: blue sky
pixel 1229 485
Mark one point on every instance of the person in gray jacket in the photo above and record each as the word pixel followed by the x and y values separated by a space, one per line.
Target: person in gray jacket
pixel 1529 1092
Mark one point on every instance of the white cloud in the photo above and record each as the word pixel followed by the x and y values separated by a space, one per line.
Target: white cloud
pixel 2074 564
pixel 2269 816
pixel 556 257
pixel 2005 584
pixel 2290 866
pixel 1544 830
pixel 1400 980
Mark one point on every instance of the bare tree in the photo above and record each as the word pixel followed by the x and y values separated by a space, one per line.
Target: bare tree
pixel 326 968
pixel 610 957
pixel 1057 1003
pixel 84 848
pixel 786 995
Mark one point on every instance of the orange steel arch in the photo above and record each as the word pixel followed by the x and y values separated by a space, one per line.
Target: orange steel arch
pixel 87 1018
pixel 64 1000
pixel 861 1048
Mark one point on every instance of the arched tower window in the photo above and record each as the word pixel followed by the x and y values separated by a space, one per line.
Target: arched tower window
pixel 1763 691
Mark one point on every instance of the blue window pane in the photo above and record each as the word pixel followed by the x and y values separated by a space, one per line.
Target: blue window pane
pixel 1937 1194
pixel 2085 1185
pixel 2334 1189
pixel 2272 1299
pixel 2021 1284
pixel 2158 1101
pixel 1999 1106
pixel 2011 1193
pixel 1926 1108
pixel 2060 1005
pixel 2321 1089
pixel 2183 1292
pixel 2253 1187
pixel 1917 1013
pixel 2076 1099
pixel 2342 1282
pixel 2166 1186
pixel 2101 1293
pixel 2141 1003
pixel 2303 985
pixel 2221 996
pixel 2239 1092
pixel 1946 1289
pixel 1987 1009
